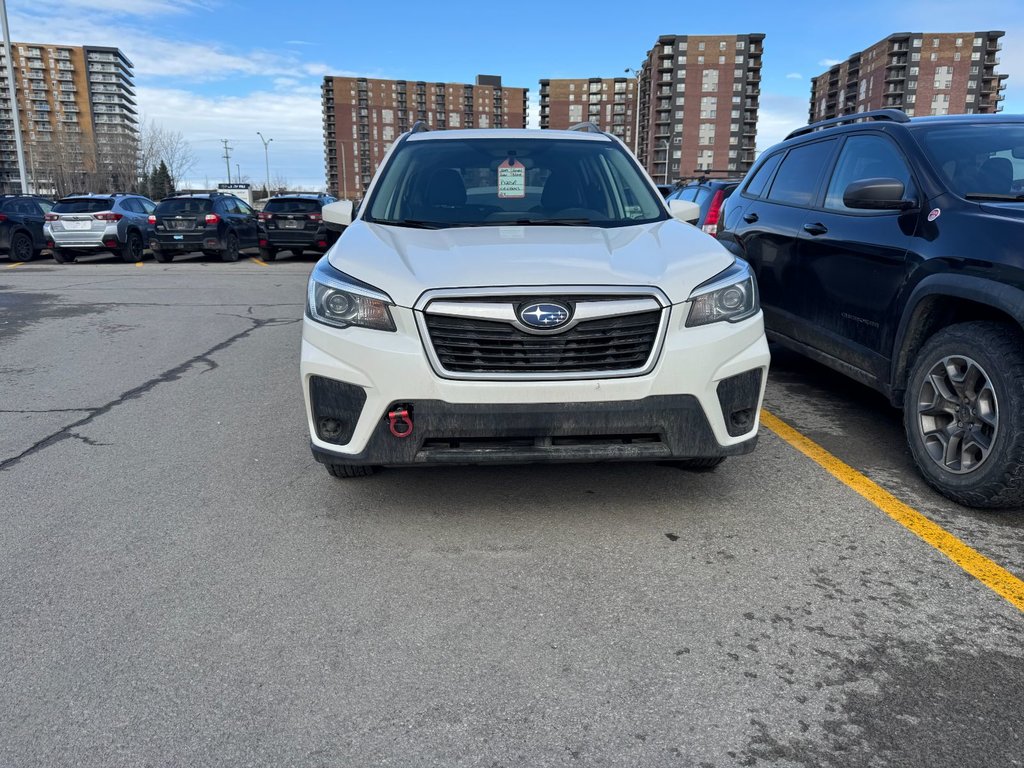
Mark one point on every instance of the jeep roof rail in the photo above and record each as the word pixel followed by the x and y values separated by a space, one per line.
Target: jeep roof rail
pixel 895 115
pixel 419 126
pixel 586 128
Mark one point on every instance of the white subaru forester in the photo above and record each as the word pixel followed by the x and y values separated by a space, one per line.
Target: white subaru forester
pixel 526 296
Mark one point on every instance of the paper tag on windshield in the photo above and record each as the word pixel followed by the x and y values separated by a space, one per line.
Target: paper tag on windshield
pixel 511 179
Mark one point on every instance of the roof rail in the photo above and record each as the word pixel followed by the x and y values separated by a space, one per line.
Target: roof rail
pixel 895 115
pixel 419 126
pixel 586 128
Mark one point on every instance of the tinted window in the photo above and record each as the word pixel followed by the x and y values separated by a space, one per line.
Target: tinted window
pixel 84 205
pixel 797 179
pixel 756 185
pixel 184 206
pixel 30 208
pixel 703 196
pixel 46 205
pixel 866 157
pixel 243 207
pixel 455 182
pixel 980 159
pixel 292 206
pixel 148 205
pixel 131 205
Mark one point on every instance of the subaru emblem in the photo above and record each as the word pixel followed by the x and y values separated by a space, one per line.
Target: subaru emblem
pixel 544 315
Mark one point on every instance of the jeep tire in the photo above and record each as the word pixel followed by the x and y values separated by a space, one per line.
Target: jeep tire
pixel 964 413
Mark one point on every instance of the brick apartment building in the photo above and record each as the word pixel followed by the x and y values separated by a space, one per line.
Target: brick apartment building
pixel 609 103
pixel 363 116
pixel 78 117
pixel 698 102
pixel 922 73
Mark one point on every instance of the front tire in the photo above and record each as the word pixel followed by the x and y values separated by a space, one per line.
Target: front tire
pixel 132 250
pixel 348 470
pixel 964 414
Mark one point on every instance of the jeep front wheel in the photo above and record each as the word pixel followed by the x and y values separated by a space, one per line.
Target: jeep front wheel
pixel 964 414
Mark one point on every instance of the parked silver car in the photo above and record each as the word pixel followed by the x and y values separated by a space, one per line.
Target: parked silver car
pixel 82 224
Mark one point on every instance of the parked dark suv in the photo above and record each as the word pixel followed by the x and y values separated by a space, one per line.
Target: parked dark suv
pixel 890 250
pixel 710 195
pixel 294 223
pixel 216 224
pixel 21 226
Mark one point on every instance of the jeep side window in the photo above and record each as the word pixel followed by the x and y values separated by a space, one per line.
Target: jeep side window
pixel 867 157
pixel 797 179
pixel 757 183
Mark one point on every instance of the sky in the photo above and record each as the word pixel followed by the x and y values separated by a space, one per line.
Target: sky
pixel 222 69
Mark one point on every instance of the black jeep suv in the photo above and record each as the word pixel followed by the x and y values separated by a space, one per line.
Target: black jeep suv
pixel 890 250
pixel 218 225
pixel 294 223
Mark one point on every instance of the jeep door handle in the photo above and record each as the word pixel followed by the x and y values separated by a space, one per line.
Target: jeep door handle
pixel 750 218
pixel 815 229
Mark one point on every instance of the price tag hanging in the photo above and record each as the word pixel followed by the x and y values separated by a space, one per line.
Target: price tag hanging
pixel 511 179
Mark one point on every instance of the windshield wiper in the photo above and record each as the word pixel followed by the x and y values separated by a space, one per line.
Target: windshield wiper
pixel 991 196
pixel 525 223
pixel 412 223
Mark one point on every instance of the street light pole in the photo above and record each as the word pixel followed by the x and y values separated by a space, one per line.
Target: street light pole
pixel 19 147
pixel 636 106
pixel 266 157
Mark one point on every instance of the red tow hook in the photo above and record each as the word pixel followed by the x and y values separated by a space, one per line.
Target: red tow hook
pixel 400 422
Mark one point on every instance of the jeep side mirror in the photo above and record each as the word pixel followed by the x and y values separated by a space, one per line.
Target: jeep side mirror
pixel 684 211
pixel 337 215
pixel 881 194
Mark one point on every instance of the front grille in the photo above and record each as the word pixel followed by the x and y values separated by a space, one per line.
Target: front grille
pixel 465 345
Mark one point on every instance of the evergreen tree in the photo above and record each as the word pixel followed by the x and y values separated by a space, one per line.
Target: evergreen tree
pixel 144 188
pixel 160 183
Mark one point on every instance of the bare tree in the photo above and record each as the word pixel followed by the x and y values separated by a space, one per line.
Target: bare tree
pixel 157 144
pixel 278 184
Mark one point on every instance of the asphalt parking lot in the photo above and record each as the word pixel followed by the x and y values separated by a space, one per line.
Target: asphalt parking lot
pixel 181 584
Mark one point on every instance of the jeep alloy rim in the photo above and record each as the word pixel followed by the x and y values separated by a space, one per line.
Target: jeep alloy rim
pixel 958 414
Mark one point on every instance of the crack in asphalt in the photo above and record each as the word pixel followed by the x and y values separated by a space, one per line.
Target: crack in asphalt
pixel 48 410
pixel 171 374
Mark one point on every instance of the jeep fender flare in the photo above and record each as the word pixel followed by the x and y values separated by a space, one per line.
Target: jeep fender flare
pixel 1000 296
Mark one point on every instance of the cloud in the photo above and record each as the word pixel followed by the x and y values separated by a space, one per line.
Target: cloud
pixel 778 116
pixel 829 62
pixel 794 76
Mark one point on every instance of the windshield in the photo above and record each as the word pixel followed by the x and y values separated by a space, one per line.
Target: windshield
pixel 84 205
pixel 483 182
pixel 184 205
pixel 978 161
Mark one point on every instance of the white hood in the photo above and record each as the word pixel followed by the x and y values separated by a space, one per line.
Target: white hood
pixel 404 262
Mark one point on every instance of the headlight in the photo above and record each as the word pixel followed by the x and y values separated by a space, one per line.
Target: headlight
pixel 335 299
pixel 730 295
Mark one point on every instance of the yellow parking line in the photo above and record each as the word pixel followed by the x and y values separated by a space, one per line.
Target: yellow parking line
pixel 261 262
pixel 15 264
pixel 989 573
pixel 138 263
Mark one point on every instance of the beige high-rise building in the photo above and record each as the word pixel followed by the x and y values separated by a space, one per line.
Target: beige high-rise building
pixel 363 116
pixel 698 101
pixel 609 103
pixel 922 73
pixel 78 119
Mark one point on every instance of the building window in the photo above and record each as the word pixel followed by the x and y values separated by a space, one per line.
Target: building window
pixel 914 71
pixel 977 41
pixel 709 80
pixel 972 84
pixel 700 59
pixel 680 100
pixel 916 42
pixel 681 46
pixel 943 77
pixel 970 98
pixel 740 45
pixel 934 56
pixel 721 59
pixel 911 98
pixel 915 57
pixel 739 58
pixel 959 42
pixel 976 56
pixel 679 115
pixel 700 46
pixel 935 42
pixel 680 87
pixel 721 45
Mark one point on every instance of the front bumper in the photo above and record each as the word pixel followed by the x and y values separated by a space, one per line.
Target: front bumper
pixel 701 399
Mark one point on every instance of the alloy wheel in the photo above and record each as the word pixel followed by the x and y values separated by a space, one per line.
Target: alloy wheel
pixel 958 413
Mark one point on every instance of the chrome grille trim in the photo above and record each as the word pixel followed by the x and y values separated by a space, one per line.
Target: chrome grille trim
pixel 473 304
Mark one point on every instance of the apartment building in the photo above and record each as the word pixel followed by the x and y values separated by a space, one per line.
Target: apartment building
pixel 922 73
pixel 363 116
pixel 78 118
pixel 698 101
pixel 609 103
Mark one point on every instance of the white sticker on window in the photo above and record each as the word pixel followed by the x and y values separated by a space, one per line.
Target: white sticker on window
pixel 511 179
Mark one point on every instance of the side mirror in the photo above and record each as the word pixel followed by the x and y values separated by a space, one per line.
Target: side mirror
pixel 881 194
pixel 337 215
pixel 684 211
